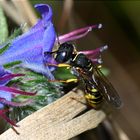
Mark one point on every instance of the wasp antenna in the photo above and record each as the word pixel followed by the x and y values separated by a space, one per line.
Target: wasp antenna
pixel 57 37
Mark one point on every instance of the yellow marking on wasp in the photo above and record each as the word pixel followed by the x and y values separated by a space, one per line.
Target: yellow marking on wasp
pixel 94 90
pixel 75 57
pixel 64 65
pixel 92 104
pixel 91 69
pixel 65 81
pixel 89 64
pixel 89 96
pixel 75 51
pixel 72 80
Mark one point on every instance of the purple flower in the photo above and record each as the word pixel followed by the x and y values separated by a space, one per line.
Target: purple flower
pixel 7 93
pixel 30 47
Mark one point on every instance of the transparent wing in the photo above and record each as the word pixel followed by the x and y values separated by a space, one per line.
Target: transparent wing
pixel 106 88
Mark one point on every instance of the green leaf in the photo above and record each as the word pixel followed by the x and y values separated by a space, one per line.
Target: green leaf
pixel 63 73
pixel 16 33
pixel 3 27
pixel 9 65
pixel 3 49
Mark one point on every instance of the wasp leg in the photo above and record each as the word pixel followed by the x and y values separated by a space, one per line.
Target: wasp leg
pixel 86 104
pixel 58 65
pixel 65 81
pixel 14 129
pixel 49 64
pixel 79 100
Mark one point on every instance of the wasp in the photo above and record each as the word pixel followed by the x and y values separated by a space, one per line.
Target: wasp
pixel 97 86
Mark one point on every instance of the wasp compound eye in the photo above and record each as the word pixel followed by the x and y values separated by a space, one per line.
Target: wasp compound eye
pixel 64 53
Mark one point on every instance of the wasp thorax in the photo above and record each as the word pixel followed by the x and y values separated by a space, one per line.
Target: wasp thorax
pixel 82 61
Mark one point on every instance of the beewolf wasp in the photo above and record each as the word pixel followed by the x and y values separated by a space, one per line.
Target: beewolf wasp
pixel 97 86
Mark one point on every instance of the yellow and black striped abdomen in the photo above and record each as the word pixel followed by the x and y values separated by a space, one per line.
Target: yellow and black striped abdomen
pixel 93 97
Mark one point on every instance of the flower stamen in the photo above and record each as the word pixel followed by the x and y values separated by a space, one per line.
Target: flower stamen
pixel 16 91
pixel 79 33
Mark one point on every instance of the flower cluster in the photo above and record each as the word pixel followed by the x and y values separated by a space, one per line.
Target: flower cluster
pixel 29 49
pixel 7 93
